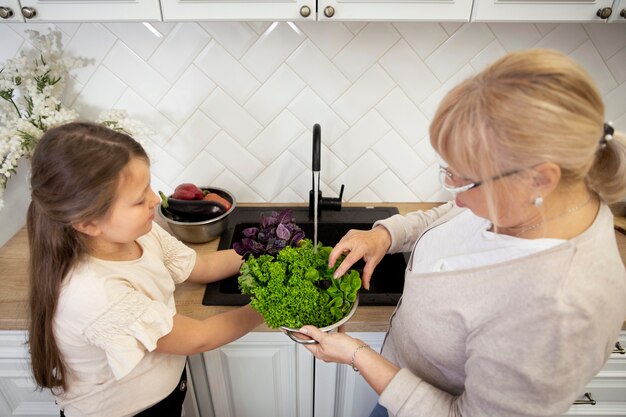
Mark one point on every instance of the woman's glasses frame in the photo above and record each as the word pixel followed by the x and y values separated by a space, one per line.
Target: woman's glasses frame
pixel 445 175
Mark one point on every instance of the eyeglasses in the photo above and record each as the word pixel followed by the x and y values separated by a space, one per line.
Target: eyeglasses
pixel 447 178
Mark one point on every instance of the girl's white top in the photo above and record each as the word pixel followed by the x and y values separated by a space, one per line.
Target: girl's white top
pixel 109 317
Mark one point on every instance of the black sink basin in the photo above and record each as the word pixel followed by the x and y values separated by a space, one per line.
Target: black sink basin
pixel 388 278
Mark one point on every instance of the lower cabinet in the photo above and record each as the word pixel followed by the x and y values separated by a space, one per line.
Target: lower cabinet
pixel 605 395
pixel 262 374
pixel 19 395
pixel 267 374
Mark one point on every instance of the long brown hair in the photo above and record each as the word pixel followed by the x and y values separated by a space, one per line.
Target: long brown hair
pixel 75 172
pixel 530 107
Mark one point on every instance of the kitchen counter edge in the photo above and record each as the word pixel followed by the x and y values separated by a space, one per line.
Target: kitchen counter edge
pixel 13 295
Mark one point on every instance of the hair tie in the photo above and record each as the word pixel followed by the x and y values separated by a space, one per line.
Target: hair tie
pixel 608 134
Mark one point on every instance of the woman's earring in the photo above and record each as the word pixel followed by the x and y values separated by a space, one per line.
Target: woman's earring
pixel 538 201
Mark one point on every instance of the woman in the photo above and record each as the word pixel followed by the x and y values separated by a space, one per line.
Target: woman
pixel 514 292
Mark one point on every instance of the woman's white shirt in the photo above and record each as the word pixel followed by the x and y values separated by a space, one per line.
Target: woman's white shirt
pixel 464 242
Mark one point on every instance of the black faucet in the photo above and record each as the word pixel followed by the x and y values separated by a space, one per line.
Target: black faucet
pixel 327 203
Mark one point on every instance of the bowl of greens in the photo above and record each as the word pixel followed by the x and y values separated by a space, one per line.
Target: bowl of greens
pixel 292 286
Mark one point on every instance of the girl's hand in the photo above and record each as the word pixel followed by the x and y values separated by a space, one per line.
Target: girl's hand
pixel 331 347
pixel 369 245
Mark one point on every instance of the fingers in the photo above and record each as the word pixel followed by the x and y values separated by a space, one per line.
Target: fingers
pixel 337 251
pixel 368 270
pixel 312 332
pixel 350 259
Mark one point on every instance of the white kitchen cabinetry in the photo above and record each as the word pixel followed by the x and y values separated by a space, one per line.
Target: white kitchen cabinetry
pixel 262 374
pixel 10 11
pixel 19 395
pixel 619 12
pixel 539 10
pixel 341 392
pixel 290 10
pixel 607 389
pixel 296 10
pixel 390 10
pixel 89 10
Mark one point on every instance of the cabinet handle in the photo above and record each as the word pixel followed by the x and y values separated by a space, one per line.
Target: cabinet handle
pixel 604 13
pixel 619 349
pixel 6 12
pixel 329 11
pixel 589 400
pixel 623 13
pixel 29 12
pixel 305 11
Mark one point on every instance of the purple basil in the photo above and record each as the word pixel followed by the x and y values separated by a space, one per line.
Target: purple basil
pixel 275 232
pixel 282 232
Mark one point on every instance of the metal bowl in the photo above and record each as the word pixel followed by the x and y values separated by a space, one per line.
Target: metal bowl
pixel 292 332
pixel 200 231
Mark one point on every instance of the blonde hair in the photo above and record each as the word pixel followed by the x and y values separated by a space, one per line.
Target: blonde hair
pixel 530 107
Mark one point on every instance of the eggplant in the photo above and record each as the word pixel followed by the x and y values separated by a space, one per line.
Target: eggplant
pixel 191 210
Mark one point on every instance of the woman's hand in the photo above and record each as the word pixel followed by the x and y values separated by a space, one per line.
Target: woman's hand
pixel 341 348
pixel 369 245
pixel 331 347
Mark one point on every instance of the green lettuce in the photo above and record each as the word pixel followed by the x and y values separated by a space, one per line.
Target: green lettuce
pixel 296 287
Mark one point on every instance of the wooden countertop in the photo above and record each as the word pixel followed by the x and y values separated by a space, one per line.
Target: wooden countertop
pixel 14 289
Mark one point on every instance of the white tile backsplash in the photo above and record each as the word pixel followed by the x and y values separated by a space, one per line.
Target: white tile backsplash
pixel 274 95
pixel 223 68
pixel 460 48
pixel 271 49
pixel 318 72
pixel 233 103
pixel 365 49
pixel 178 50
pixel 363 95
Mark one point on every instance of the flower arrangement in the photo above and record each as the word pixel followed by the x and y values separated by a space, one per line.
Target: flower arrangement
pixel 31 87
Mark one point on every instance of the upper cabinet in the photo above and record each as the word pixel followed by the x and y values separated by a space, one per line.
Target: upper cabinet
pixel 542 11
pixel 291 10
pixel 434 10
pixel 89 10
pixel 10 11
pixel 619 12
pixel 314 10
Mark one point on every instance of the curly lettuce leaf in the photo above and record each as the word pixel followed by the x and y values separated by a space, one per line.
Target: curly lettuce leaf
pixel 285 289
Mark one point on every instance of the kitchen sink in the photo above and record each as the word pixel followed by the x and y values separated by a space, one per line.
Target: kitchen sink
pixel 388 277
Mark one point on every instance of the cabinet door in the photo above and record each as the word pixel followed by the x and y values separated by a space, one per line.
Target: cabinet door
pixel 538 11
pixel 270 10
pixel 260 375
pixel 607 389
pixel 619 12
pixel 10 11
pixel 18 393
pixel 341 392
pixel 91 10
pixel 389 10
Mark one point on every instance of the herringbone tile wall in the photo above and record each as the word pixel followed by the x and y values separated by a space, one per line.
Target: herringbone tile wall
pixel 233 103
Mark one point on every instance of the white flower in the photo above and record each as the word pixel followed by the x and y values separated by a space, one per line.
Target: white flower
pixel 30 89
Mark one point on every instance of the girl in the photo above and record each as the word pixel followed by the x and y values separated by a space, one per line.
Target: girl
pixel 104 334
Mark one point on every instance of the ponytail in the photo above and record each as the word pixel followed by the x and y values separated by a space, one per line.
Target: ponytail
pixel 607 176
pixel 75 173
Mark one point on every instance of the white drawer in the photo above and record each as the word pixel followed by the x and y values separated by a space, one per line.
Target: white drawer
pixel 608 389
